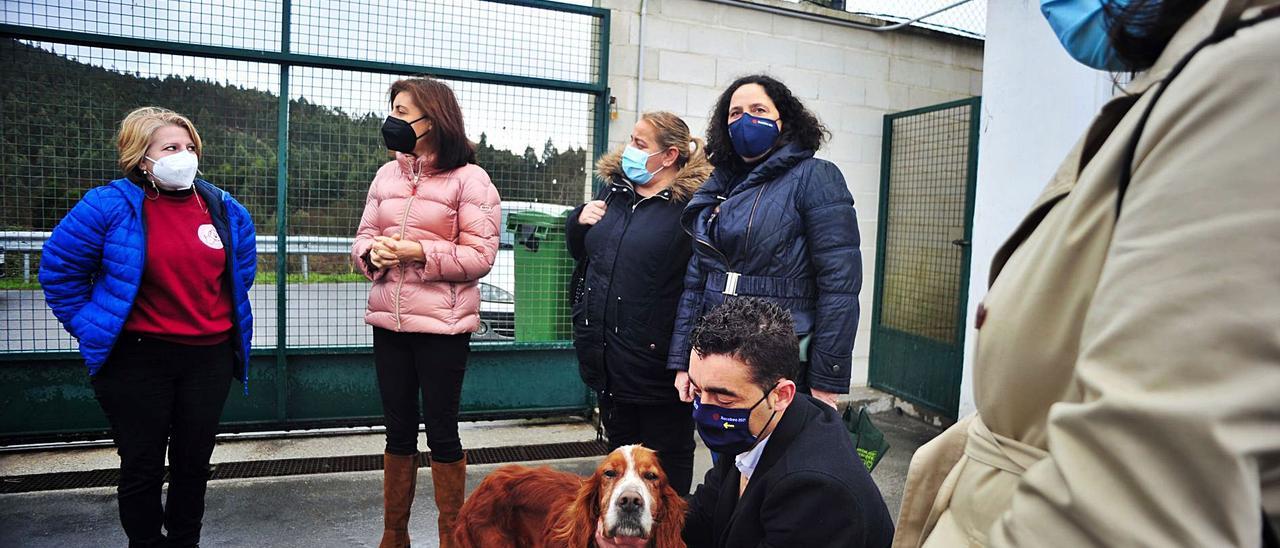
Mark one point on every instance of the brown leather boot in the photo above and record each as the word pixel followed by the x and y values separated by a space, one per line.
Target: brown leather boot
pixel 399 480
pixel 450 481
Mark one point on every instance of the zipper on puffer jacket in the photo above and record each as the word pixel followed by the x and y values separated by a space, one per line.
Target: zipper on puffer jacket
pixel 622 236
pixel 404 221
pixel 586 321
pixel 704 242
pixel 752 217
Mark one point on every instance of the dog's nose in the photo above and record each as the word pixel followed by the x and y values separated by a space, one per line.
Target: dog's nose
pixel 630 501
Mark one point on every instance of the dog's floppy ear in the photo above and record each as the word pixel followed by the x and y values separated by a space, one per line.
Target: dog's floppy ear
pixel 577 525
pixel 669 523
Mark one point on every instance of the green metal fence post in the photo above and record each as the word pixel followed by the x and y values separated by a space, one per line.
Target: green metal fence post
pixel 602 123
pixel 601 136
pixel 282 225
pixel 882 232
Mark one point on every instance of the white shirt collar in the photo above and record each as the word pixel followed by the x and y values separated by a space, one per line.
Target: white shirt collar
pixel 746 462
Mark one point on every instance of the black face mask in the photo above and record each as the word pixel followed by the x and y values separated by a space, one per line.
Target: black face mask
pixel 399 134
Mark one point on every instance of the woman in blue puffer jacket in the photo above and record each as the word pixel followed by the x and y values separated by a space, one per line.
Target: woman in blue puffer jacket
pixel 151 274
pixel 777 223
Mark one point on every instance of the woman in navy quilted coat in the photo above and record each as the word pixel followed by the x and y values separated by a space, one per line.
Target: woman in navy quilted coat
pixel 151 274
pixel 777 223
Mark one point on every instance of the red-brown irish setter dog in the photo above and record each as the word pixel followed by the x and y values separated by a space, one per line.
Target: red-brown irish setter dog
pixel 626 503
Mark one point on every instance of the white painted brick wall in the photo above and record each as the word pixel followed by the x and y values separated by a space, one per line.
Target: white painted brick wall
pixel 805 84
pixel 866 64
pixel 686 68
pixel 821 57
pixel 728 70
pixel 849 78
pixel 772 50
pixel 666 96
pixel 667 34
pixel 719 43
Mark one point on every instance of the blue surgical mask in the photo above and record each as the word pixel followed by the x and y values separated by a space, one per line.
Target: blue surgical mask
pixel 753 136
pixel 726 430
pixel 635 165
pixel 1081 26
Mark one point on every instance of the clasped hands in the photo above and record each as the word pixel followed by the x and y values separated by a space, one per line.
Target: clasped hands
pixel 391 251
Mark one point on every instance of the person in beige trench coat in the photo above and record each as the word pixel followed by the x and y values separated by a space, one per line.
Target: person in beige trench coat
pixel 1127 374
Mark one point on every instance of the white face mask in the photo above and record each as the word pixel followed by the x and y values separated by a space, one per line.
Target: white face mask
pixel 175 171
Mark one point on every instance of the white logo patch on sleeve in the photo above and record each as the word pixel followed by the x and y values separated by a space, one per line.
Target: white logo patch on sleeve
pixel 209 236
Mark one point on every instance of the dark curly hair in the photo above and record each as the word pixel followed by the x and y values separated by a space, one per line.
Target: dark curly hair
pixel 798 124
pixel 1141 29
pixel 754 331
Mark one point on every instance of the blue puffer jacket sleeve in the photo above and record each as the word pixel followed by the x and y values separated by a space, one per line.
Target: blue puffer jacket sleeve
pixel 246 262
pixel 71 259
pixel 247 251
pixel 831 226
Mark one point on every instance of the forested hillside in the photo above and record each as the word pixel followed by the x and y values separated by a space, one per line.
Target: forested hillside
pixel 60 116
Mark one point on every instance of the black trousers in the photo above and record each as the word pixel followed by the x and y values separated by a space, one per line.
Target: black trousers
pixel 665 427
pixel 159 395
pixel 410 364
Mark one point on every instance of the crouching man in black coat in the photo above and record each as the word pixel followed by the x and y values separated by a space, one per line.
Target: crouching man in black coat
pixel 788 475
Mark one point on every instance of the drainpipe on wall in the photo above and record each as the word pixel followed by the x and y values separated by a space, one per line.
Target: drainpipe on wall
pixel 644 9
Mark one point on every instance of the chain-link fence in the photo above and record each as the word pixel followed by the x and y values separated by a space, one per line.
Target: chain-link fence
pixel 929 170
pixel 967 19
pixel 288 97
pixel 925 230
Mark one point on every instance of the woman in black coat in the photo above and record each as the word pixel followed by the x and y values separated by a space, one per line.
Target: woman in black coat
pixel 774 222
pixel 636 254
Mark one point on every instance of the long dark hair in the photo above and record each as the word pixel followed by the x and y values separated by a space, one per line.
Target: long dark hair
pixel 798 124
pixel 448 133
pixel 1141 29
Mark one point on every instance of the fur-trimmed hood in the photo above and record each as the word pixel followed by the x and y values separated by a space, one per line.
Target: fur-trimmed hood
pixel 687 180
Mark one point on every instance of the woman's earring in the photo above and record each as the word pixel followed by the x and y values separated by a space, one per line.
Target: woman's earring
pixel 153 186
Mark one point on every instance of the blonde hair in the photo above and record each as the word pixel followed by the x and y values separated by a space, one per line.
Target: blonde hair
pixel 673 132
pixel 136 130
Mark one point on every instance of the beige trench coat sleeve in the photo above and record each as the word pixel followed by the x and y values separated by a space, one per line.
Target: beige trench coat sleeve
pixel 1180 354
pixel 931 466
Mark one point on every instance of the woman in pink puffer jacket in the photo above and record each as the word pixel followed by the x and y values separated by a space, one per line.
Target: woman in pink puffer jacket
pixel 428 234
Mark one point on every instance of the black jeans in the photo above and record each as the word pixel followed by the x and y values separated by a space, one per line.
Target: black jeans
pixel 159 394
pixel 433 365
pixel 664 427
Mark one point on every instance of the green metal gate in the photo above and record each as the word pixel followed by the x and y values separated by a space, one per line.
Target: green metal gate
pixel 288 96
pixel 928 172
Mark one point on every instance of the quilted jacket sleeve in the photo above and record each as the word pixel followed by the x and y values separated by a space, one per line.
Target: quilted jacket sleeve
pixel 365 235
pixel 687 313
pixel 575 233
pixel 831 229
pixel 471 256
pixel 72 257
pixel 247 250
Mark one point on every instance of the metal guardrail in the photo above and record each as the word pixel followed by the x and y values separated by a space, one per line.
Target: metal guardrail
pixel 24 241
pixel 28 242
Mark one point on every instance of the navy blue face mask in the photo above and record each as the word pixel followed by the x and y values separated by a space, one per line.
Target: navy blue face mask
pixel 753 136
pixel 725 430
